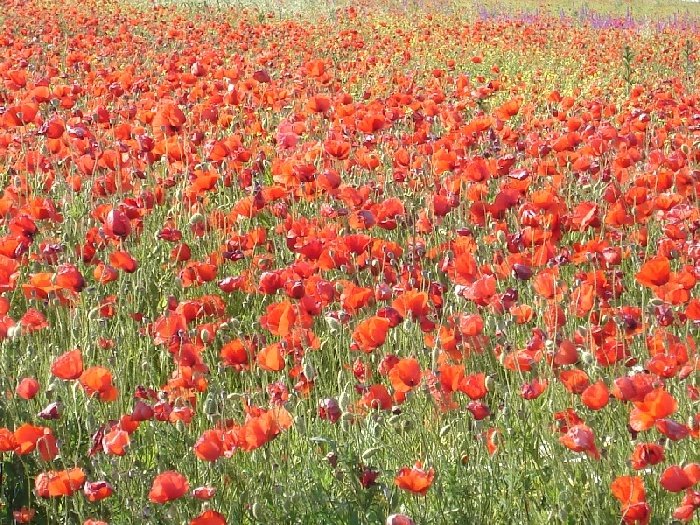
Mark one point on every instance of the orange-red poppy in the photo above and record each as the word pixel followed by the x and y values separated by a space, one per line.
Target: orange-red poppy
pixel 209 517
pixel 97 380
pixel 68 366
pixel 168 486
pixel 405 375
pixel 371 333
pixel 596 395
pixel 61 483
pixel 28 388
pixel 580 438
pixel 415 479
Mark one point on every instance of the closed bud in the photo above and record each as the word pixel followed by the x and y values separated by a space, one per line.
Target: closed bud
pixel 587 358
pixel 255 510
pixel 211 406
pixel 370 453
pixel 196 219
pixel 344 400
pixel 333 324
pixel 309 371
pixel 407 425
pixel 300 424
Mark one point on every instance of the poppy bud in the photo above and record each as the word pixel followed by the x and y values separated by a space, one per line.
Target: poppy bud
pixel 28 388
pixel 255 511
pixel 333 324
pixel 211 406
pixel 587 358
pixel 300 424
pixel 309 371
pixel 370 452
pixel 344 400
pixel 196 218
pixel 407 425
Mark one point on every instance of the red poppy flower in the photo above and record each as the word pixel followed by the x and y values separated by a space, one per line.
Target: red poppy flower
pixel 210 446
pixel 168 486
pixel 677 479
pixel 645 454
pixel 28 388
pixel 415 479
pixel 271 358
pixel 97 490
pixel 23 515
pixel 628 489
pixel 580 438
pixel 98 380
pixel 655 272
pixel 115 442
pixel 596 396
pixel 656 405
pixel 26 437
pixel 371 333
pixel 204 493
pixel 405 375
pixel 68 366
pixel 209 517
pixel 54 484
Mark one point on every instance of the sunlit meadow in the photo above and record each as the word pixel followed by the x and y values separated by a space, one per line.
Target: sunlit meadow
pixel 330 262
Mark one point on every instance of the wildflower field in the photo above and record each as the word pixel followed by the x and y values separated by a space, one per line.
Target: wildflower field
pixel 349 263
